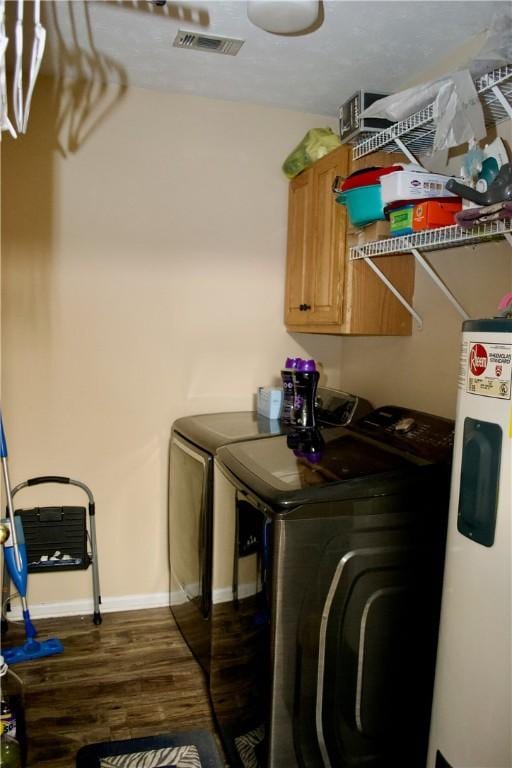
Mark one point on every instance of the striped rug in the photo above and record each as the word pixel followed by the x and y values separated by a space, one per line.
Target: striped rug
pixel 177 757
pixel 192 749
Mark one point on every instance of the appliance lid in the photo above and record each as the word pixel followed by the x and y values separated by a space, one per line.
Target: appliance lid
pixel 382 452
pixel 211 430
pixel 346 465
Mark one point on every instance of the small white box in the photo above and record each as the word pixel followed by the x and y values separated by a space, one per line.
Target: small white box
pixel 412 185
pixel 270 401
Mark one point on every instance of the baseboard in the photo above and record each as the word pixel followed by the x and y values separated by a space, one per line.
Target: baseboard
pixel 115 604
pixel 220 595
pixel 225 594
pixel 86 607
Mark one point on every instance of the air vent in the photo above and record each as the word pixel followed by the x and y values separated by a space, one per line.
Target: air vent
pixel 229 46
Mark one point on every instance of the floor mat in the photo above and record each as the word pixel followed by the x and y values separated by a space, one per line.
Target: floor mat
pixel 247 746
pixel 193 749
pixel 178 757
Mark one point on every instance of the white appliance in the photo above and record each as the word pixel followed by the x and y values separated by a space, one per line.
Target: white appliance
pixel 471 724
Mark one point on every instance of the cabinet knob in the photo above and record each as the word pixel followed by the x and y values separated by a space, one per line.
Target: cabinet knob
pixel 304 307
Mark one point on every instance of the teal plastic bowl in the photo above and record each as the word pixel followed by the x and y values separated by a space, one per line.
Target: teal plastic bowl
pixel 364 204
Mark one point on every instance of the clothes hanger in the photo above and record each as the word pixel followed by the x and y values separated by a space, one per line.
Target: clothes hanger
pixel 35 59
pixel 5 123
pixel 17 85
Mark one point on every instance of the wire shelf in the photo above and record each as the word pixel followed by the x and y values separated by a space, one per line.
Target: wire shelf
pixel 432 239
pixel 417 131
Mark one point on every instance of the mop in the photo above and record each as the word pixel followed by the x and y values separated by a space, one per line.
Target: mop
pixel 15 555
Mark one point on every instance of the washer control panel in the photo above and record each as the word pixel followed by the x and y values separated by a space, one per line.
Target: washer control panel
pixel 424 435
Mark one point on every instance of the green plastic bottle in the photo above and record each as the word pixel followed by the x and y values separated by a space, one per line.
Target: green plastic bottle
pixel 10 752
pixel 12 721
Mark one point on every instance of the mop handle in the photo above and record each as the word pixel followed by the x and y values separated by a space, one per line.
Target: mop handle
pixel 3 441
pixel 7 483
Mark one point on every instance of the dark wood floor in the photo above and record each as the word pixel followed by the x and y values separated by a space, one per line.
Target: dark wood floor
pixel 132 676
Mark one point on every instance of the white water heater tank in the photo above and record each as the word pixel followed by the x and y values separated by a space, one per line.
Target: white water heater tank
pixel 471 723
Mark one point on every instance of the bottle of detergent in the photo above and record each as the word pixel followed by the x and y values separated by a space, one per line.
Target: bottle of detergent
pixel 287 412
pixel 305 382
pixel 12 721
pixel 10 751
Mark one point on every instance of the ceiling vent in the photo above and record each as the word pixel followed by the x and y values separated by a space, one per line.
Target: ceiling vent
pixel 229 46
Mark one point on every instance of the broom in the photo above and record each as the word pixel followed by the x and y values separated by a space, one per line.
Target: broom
pixel 15 554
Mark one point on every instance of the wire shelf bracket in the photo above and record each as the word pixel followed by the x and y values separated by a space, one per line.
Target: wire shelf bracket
pixel 430 240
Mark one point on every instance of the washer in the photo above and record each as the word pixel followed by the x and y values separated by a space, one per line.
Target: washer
pixel 329 547
pixel 194 442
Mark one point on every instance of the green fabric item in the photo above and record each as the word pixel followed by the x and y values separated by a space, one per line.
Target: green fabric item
pixel 316 143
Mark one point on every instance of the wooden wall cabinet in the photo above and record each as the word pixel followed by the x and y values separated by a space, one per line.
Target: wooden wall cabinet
pixel 325 293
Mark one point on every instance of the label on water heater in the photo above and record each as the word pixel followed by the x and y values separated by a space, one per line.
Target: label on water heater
pixel 488 369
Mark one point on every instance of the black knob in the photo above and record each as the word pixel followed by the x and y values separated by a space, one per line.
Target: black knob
pixel 301 307
pixel 306 307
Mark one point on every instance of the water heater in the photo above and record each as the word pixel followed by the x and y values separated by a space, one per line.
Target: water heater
pixel 472 712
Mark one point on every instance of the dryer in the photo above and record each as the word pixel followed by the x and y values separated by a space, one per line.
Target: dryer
pixel 323 649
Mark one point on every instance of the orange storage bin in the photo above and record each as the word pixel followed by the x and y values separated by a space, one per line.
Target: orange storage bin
pixel 435 213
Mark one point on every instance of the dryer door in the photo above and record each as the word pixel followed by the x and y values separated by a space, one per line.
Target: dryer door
pixel 190 543
pixel 368 678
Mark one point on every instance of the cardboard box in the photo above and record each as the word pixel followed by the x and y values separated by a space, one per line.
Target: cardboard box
pixel 357 236
pixel 435 213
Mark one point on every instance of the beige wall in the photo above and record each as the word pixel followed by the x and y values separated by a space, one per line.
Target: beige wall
pixel 143 280
pixel 420 371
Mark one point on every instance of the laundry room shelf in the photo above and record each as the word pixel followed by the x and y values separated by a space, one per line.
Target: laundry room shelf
pixel 430 240
pixel 415 135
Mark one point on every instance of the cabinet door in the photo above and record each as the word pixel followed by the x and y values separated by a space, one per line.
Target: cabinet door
pixel 299 222
pixel 316 245
pixel 328 241
pixel 325 292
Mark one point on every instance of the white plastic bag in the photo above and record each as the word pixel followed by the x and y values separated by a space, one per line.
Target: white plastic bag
pixel 457 110
pixel 400 105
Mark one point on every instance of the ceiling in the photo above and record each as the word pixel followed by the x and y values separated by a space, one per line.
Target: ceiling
pixel 376 45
